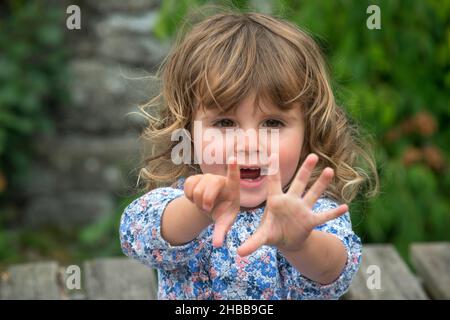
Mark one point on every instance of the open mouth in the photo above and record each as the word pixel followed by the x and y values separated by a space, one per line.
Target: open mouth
pixel 250 173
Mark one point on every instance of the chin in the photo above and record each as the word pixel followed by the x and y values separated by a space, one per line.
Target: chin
pixel 251 202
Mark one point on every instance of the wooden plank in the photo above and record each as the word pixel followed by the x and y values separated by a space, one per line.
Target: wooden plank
pixel 31 281
pixel 118 278
pixel 432 264
pixel 396 280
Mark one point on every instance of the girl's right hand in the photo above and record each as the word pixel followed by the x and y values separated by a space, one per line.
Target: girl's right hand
pixel 218 197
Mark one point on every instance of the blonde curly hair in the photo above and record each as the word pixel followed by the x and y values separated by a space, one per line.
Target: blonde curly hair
pixel 224 57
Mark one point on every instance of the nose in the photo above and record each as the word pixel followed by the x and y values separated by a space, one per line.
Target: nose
pixel 253 146
pixel 247 145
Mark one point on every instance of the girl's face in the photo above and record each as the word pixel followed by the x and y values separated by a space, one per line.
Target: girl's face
pixel 249 118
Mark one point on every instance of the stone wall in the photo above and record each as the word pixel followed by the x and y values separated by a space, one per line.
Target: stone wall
pixel 92 160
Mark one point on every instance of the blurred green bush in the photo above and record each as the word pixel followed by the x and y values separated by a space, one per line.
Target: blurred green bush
pixel 32 83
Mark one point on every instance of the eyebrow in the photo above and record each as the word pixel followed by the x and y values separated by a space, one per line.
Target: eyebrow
pixel 286 113
pixel 283 113
pixel 277 112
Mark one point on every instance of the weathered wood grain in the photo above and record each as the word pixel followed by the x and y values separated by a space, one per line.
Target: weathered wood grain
pixel 123 278
pixel 432 264
pixel 118 278
pixel 397 281
pixel 40 280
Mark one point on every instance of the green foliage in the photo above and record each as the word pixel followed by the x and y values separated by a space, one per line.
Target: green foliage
pixel 104 234
pixel 173 12
pixel 394 82
pixel 32 82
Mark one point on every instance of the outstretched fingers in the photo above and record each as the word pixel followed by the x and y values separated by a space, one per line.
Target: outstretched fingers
pixel 304 173
pixel 318 187
pixel 332 214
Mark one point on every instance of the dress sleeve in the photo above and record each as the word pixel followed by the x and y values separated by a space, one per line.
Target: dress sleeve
pixel 301 287
pixel 140 232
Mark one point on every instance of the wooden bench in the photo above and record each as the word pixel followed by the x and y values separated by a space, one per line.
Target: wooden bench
pixel 382 275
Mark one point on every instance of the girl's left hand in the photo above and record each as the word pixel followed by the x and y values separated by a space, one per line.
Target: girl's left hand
pixel 288 218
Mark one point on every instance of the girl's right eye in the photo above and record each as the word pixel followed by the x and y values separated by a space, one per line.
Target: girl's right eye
pixel 224 123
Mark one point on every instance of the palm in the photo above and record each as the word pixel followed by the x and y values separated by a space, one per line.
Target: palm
pixel 288 218
pixel 281 227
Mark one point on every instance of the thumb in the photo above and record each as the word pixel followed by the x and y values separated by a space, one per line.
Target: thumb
pixel 233 174
pixel 222 224
pixel 255 241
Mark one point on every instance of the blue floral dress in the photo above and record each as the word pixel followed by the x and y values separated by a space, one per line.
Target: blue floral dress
pixel 197 270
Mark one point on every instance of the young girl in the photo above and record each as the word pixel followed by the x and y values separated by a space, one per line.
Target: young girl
pixel 224 230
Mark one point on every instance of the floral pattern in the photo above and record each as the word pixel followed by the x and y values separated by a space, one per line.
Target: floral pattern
pixel 196 270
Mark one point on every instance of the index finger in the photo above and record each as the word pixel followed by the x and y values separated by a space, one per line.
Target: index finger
pixel 233 174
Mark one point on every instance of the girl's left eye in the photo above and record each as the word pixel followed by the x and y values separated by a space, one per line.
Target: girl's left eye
pixel 274 123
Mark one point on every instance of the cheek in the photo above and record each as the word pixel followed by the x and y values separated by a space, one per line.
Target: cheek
pixel 216 169
pixel 290 151
pixel 212 151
